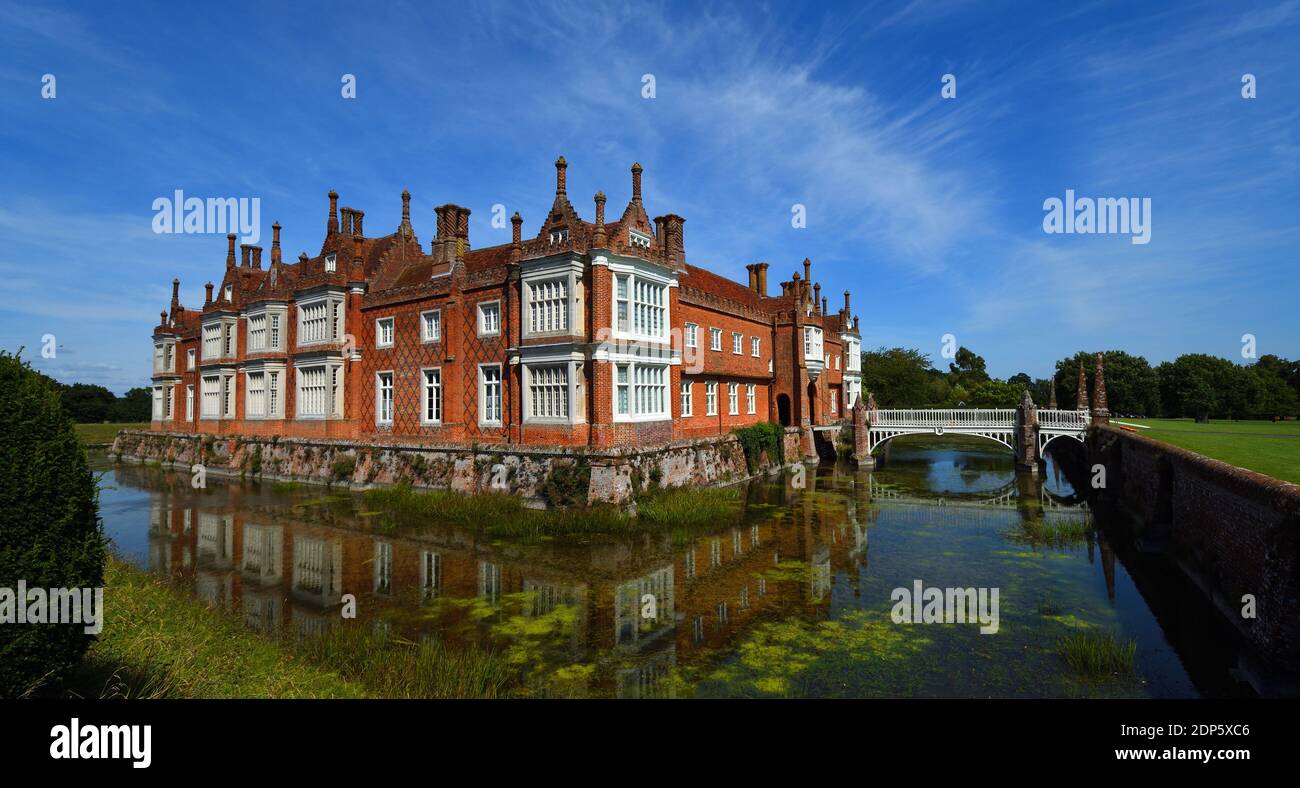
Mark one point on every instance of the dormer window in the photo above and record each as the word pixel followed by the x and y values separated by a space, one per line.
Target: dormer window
pixel 331 263
pixel 559 236
pixel 640 240
pixel 228 292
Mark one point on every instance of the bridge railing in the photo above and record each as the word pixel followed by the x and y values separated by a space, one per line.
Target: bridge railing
pixel 949 418
pixel 1063 419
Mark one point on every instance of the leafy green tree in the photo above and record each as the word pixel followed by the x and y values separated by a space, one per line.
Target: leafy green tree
pixel 136 406
pixel 898 377
pixel 967 368
pixel 88 404
pixel 49 523
pixel 1132 386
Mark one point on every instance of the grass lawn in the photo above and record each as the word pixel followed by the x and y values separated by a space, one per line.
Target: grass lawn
pixel 1264 446
pixel 96 434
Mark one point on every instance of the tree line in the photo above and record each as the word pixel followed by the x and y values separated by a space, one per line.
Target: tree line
pixel 89 404
pixel 1193 385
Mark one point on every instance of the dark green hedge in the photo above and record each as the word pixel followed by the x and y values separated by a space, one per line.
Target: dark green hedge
pixel 49 524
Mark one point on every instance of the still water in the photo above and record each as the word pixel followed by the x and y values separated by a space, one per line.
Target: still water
pixel 791 598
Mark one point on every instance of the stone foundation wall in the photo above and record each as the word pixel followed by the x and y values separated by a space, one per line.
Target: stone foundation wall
pixel 1234 531
pixel 554 475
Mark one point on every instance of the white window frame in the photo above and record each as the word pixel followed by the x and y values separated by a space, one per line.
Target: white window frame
pixel 482 312
pixel 434 335
pixel 331 263
pixel 687 398
pixel 737 343
pixel 424 395
pixel 483 395
pixel 255 398
pixel 692 335
pixel 751 406
pixel 641 305
pixel 331 392
pixel 190 360
pixel 715 339
pixel 711 398
pixel 380 377
pixel 733 399
pixel 547 303
pixel 329 326
pixel 382 325
pixel 547 393
pixel 642 390
pixel 210 396
pixel 755 347
pixel 189 402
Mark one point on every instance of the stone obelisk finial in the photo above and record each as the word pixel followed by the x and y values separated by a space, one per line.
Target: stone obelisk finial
pixel 1081 399
pixel 1100 408
pixel 1051 393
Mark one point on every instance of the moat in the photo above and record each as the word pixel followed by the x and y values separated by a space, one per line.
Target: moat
pixel 792 597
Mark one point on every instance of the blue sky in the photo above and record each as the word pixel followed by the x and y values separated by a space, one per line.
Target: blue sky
pixel 929 210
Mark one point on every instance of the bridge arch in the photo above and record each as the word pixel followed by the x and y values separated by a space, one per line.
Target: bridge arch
pixel 882 436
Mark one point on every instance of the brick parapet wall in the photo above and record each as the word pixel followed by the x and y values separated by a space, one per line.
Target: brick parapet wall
pixel 1233 530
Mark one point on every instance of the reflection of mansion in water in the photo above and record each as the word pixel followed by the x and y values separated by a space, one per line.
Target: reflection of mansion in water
pixel 288 576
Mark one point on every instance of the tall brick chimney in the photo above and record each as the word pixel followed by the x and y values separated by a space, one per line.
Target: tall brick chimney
pixel 404 229
pixel 761 268
pixel 817 298
pixel 332 224
pixel 560 176
pixel 230 250
pixel 598 238
pixel 208 297
pixel 636 182
pixel 245 250
pixel 674 246
pixel 257 258
pixel 358 217
pixel 275 243
pixel 753 277
pixel 176 293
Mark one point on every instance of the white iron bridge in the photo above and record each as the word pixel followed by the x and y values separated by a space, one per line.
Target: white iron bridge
pixel 995 424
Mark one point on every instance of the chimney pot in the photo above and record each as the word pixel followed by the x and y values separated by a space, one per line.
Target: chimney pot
pixel 230 250
pixel 332 226
pixel 753 277
pixel 208 289
pixel 762 279
pixel 516 223
pixel 846 300
pixel 560 166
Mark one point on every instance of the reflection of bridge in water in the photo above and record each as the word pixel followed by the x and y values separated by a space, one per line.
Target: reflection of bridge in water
pixel 1008 496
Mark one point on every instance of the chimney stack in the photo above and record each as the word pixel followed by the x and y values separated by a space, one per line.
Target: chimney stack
pixel 275 243
pixel 257 258
pixel 230 250
pixel 673 244
pixel 817 297
pixel 598 238
pixel 176 293
pixel 560 166
pixel 244 251
pixel 358 217
pixel 208 298
pixel 332 226
pixel 636 182
pixel 761 268
pixel 824 308
pixel 846 300
pixel 807 270
pixel 516 229
pixel 753 277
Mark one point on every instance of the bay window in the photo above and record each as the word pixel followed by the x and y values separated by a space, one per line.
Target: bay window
pixel 548 391
pixel 548 306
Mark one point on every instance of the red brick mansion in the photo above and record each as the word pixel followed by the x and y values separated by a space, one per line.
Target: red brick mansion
pixel 589 333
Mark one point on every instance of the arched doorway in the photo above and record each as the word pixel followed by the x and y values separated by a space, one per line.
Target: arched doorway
pixel 783 409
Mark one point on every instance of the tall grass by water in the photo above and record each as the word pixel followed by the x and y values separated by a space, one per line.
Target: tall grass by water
pixel 1097 655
